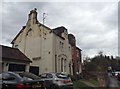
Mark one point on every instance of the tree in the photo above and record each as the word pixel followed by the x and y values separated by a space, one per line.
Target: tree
pixel 101 62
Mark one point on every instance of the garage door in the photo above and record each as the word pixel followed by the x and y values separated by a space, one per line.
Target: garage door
pixel 16 67
pixel 34 70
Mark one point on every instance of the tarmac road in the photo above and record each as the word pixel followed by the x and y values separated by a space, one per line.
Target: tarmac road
pixel 113 82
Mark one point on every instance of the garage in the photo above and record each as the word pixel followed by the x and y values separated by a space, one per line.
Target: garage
pixel 14 60
pixel 34 70
pixel 16 67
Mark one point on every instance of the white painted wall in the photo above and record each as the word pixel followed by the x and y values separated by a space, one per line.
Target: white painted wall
pixel 43 44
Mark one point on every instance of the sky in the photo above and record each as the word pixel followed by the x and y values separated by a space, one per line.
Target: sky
pixel 94 24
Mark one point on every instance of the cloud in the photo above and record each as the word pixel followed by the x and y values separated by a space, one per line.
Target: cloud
pixel 94 24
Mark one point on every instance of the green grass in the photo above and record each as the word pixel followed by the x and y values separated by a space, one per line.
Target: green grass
pixel 80 85
pixel 93 81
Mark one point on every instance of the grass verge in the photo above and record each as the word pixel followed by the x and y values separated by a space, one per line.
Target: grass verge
pixel 80 85
pixel 93 81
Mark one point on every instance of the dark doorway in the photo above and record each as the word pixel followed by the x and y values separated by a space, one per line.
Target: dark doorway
pixel 16 67
pixel 34 70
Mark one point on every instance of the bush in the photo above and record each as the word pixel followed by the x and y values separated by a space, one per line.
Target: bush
pixel 73 78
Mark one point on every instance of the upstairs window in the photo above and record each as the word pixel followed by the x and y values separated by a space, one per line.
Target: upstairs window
pixel 61 45
pixel 29 33
pixel 16 46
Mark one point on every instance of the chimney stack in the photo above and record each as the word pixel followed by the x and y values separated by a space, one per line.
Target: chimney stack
pixel 32 17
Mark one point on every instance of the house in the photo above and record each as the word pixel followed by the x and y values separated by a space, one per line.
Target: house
pixel 48 49
pixel 78 60
pixel 76 55
pixel 13 59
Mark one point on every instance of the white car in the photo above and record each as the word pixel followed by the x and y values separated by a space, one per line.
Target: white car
pixel 57 81
pixel 115 73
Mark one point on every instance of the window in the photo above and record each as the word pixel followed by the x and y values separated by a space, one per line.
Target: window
pixel 62 76
pixel 49 52
pixel 9 77
pixel 49 76
pixel 65 63
pixel 29 33
pixel 62 65
pixel 43 76
pixel 28 76
pixel 77 54
pixel 61 45
pixel 69 47
pixel 16 46
pixel 59 65
pixel 0 76
pixel 55 63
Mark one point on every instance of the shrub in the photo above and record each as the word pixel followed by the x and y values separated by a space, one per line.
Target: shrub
pixel 73 78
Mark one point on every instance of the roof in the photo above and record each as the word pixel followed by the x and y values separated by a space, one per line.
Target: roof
pixel 37 22
pixel 72 40
pixel 13 54
pixel 79 49
pixel 18 34
pixel 59 30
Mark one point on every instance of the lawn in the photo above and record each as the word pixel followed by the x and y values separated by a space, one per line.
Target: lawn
pixel 80 85
pixel 93 81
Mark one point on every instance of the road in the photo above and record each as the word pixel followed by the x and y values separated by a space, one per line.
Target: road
pixel 113 82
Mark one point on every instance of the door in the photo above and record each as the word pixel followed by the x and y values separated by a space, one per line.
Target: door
pixel 34 70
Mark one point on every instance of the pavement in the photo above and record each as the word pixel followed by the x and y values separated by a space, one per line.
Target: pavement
pixel 113 82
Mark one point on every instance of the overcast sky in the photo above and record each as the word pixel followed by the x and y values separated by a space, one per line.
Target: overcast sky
pixel 94 24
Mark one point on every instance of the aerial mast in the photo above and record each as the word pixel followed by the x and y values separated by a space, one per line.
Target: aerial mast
pixel 44 17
